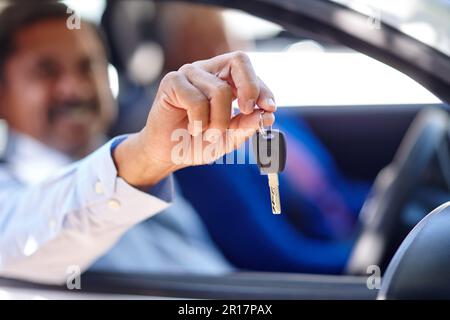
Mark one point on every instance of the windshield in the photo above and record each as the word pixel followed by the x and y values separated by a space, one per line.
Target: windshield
pixel 425 20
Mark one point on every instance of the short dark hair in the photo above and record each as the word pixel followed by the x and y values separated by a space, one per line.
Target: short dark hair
pixel 21 14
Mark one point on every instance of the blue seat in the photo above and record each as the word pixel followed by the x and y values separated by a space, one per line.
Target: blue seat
pixel 312 235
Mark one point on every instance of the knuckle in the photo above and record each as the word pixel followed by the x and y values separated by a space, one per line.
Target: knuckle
pixel 197 64
pixel 171 77
pixel 187 68
pixel 241 57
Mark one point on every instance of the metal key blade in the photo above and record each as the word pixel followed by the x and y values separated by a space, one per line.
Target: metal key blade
pixel 274 193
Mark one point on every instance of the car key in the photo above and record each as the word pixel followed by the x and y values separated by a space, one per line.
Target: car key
pixel 269 149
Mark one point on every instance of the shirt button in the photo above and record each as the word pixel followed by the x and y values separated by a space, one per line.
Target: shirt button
pixel 114 204
pixel 98 187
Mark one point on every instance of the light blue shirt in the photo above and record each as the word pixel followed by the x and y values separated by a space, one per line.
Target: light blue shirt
pixel 54 215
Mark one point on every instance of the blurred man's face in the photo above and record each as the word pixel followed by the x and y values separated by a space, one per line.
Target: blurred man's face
pixel 55 86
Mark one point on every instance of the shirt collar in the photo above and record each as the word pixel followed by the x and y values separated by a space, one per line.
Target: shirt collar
pixel 30 160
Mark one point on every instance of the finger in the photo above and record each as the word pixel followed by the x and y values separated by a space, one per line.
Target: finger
pixel 245 125
pixel 266 100
pixel 218 92
pixel 237 69
pixel 183 95
pixel 251 121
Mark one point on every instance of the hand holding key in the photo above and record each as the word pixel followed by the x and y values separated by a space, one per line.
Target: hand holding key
pixel 199 92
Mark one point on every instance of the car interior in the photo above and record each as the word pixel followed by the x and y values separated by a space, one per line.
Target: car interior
pixel 390 149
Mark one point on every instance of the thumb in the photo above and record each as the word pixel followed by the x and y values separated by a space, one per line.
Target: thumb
pixel 251 121
pixel 245 125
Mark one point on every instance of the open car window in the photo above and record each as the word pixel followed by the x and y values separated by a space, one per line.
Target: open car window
pixel 308 72
pixel 300 71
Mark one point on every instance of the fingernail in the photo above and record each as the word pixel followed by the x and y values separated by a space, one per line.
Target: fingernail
pixel 270 103
pixel 268 118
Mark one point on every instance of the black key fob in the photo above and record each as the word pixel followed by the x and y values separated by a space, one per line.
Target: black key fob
pixel 270 151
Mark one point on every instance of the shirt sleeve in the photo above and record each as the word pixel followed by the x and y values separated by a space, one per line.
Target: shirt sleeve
pixel 72 218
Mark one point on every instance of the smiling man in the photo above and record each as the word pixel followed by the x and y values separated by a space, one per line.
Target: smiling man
pixel 54 84
pixel 61 207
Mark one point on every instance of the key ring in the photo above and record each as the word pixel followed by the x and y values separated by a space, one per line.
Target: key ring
pixel 262 130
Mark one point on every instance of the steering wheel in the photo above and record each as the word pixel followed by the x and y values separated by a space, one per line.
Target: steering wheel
pixel 393 186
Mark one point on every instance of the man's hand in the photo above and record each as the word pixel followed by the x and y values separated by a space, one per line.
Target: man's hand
pixel 196 98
